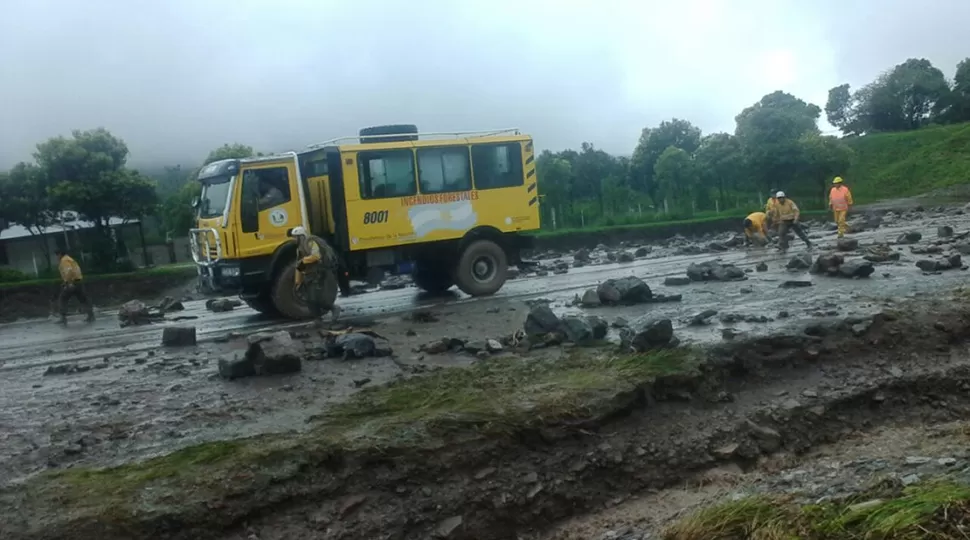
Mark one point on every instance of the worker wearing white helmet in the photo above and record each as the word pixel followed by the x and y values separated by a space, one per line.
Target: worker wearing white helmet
pixel 316 269
pixel 786 215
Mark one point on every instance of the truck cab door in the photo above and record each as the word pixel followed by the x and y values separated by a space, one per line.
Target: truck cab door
pixel 270 205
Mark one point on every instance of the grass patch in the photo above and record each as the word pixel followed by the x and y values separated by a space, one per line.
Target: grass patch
pixel 492 398
pixel 188 270
pixel 937 509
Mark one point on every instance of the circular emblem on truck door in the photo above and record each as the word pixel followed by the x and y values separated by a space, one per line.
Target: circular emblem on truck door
pixel 278 217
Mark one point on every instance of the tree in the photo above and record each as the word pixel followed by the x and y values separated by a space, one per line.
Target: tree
pixel 840 109
pixel 958 109
pixel 823 158
pixel 25 200
pixel 769 133
pixel 676 177
pixel 653 142
pixel 230 151
pixel 88 175
pixel 720 162
pixel 909 96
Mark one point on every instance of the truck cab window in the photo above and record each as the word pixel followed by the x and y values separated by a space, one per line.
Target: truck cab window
pixel 387 174
pixel 273 185
pixel 497 165
pixel 443 170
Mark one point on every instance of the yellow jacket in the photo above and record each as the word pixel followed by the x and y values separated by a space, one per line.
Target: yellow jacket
pixel 770 205
pixel 757 224
pixel 309 252
pixel 69 269
pixel 785 211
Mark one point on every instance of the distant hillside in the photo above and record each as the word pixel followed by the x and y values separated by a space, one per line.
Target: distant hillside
pixel 905 164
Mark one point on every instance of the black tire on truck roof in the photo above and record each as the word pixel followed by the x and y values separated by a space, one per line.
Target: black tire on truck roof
pixel 396 132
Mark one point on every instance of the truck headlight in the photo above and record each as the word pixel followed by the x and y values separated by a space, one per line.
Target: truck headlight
pixel 230 271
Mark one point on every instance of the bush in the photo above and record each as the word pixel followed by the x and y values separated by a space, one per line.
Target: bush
pixel 12 275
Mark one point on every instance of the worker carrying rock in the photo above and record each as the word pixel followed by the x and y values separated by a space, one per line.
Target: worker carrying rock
pixel 71 286
pixel 840 200
pixel 756 229
pixel 316 273
pixel 786 214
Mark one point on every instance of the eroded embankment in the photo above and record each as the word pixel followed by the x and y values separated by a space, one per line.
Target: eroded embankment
pixel 476 476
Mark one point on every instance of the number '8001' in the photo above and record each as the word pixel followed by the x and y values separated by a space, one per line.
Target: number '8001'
pixel 379 216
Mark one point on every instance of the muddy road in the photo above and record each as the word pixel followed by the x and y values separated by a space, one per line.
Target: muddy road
pixel 130 398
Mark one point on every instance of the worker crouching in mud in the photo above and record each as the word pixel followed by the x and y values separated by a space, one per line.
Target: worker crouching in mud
pixel 786 215
pixel 756 229
pixel 71 286
pixel 316 273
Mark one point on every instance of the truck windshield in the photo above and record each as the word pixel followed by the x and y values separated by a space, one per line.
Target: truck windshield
pixel 215 197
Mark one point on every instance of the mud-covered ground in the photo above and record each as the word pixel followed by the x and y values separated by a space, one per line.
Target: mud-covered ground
pixel 132 398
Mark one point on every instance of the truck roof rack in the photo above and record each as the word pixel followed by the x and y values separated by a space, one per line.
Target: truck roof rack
pixel 433 135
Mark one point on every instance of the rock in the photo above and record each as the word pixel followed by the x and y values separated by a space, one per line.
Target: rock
pixel 793 284
pixel 913 461
pixel 436 347
pixel 955 261
pixel 728 272
pixel 134 312
pixel 910 479
pixel 169 304
pixel 856 269
pixel 714 271
pixel 62 369
pixel 726 452
pixel 768 439
pixel 493 346
pixel 353 345
pixel 880 253
pixel 178 336
pixel 802 261
pixel 665 298
pixel 676 281
pixel 735 241
pixel 446 528
pixel 946 462
pixel 944 231
pixel 236 368
pixel 928 265
pixel 847 244
pixel 599 326
pixel 641 251
pixel 762 267
pixel 394 283
pixel 581 255
pixel 475 346
pixel 729 333
pixel 827 264
pixel 909 237
pixel 219 305
pixel 654 334
pixel 277 355
pixel 703 317
pixel 963 248
pixel 624 257
pixel 714 246
pixel 590 298
pixel 620 322
pixel 859 329
pixel 627 290
pixel 783 314
pixel 541 320
pixel 576 329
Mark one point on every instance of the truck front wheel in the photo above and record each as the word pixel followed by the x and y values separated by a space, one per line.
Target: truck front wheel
pixel 482 268
pixel 290 303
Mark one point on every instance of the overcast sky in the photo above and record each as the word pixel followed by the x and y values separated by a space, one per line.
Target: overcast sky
pixel 176 78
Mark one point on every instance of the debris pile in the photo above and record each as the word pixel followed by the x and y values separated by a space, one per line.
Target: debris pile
pixel 715 271
pixel 135 312
pixel 835 265
pixel 953 262
pixel 544 326
pixel 268 354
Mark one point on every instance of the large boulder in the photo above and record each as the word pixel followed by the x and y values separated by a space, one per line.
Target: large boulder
pixel 944 231
pixel 274 354
pixel 827 264
pixel 856 269
pixel 653 335
pixel 178 336
pixel 590 298
pixel 624 257
pixel 576 329
pixel 909 237
pixel 632 290
pixel 599 326
pixel 541 320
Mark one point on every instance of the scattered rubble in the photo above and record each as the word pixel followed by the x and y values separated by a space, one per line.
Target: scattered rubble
pixel 268 354
pixel 835 265
pixel 220 305
pixel 938 265
pixel 802 261
pixel 715 271
pixel 135 312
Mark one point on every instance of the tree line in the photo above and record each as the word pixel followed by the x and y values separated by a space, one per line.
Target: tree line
pixel 675 171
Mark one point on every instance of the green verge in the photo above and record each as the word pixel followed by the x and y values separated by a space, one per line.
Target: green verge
pixel 935 509
pixel 494 398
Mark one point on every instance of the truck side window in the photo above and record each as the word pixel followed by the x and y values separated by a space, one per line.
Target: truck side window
pixel 385 174
pixel 443 170
pixel 273 185
pixel 497 165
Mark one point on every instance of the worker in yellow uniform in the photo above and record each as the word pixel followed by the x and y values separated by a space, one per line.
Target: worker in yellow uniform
pixel 769 208
pixel 756 228
pixel 786 215
pixel 840 200
pixel 316 273
pixel 71 285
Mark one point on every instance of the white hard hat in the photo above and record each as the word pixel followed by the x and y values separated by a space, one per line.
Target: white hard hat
pixel 298 231
pixel 778 195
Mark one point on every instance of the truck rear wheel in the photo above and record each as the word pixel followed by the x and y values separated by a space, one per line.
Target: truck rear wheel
pixel 432 276
pixel 482 268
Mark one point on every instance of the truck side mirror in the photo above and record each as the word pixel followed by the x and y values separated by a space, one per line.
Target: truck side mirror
pixel 195 202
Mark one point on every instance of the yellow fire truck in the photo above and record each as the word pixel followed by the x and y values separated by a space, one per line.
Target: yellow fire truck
pixel 452 206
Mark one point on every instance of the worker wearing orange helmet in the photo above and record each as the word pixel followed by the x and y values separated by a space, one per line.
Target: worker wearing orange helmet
pixel 840 200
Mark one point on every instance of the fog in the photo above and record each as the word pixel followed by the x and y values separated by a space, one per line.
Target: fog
pixel 180 77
